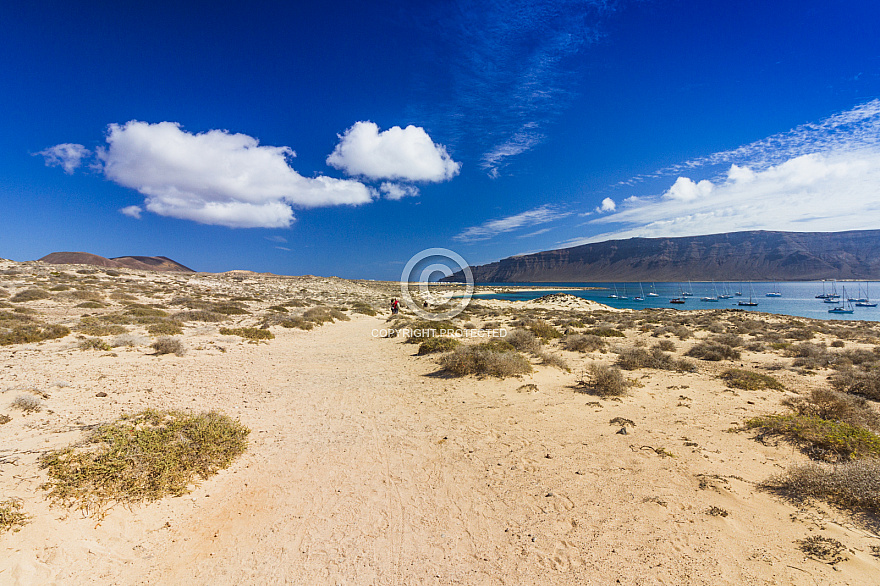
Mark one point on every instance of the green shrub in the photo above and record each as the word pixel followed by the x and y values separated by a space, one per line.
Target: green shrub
pixel 93 344
pixel 138 310
pixel 751 381
pixel 433 345
pixel 142 457
pixel 821 438
pixel 297 322
pixel 201 315
pixel 248 333
pixel 322 315
pixel 866 384
pixel 423 329
pixel 165 328
pixel 544 330
pixel 834 406
pixel 605 332
pixel 90 305
pixel 11 516
pixel 362 307
pixel 94 327
pixel 583 342
pixel 635 358
pixel 32 333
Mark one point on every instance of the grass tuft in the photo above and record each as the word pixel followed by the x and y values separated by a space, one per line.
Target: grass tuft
pixel 248 333
pixel 751 381
pixel 822 439
pixel 11 516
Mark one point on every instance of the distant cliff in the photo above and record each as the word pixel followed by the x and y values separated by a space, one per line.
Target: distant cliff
pixel 144 263
pixel 735 256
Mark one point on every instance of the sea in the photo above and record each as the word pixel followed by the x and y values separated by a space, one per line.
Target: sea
pixel 797 298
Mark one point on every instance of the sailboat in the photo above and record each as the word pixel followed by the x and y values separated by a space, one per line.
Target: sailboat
pixel 613 295
pixel 710 298
pixel 750 302
pixel 642 296
pixel 725 292
pixel 866 301
pixel 624 296
pixel 690 291
pixel 653 291
pixel 859 299
pixel 775 292
pixel 845 307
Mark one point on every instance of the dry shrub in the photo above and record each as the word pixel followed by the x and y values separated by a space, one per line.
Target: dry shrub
pixel 363 307
pixel 665 345
pixel 28 403
pixel 604 332
pixel 420 330
pixel 679 331
pixel 603 380
pixel 90 305
pixel 524 341
pixel 94 327
pixel 297 322
pixel 201 315
pixel 438 344
pixel 836 406
pixel 32 294
pixel 583 342
pixel 711 350
pixel 485 359
pixel 635 358
pixel 866 384
pixel 853 485
pixel 166 345
pixel 553 360
pixel 138 310
pixel 129 340
pixel 143 457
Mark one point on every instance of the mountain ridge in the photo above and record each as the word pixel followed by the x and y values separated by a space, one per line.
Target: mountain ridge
pixel 758 255
pixel 142 263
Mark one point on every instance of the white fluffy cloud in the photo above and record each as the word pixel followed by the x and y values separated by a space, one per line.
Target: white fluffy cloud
pixel 608 205
pixel 68 156
pixel 216 177
pixel 492 228
pixel 406 154
pixel 397 190
pixel 132 211
pixel 832 191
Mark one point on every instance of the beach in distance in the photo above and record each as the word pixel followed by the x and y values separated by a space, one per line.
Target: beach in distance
pixel 243 428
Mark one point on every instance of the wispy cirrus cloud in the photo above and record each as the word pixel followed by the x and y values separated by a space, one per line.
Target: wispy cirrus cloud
pixel 850 130
pixel 512 71
pixel 492 228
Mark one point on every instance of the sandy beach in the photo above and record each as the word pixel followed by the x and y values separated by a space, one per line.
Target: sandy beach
pixel 367 465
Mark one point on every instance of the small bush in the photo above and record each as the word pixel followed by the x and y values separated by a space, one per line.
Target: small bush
pixel 229 309
pixel 854 485
pixel 523 340
pixel 32 333
pixel 321 315
pixel 129 340
pixel 665 346
pixel 866 384
pixel 544 330
pixel 28 403
pixel 605 332
pixel 484 359
pixel 277 308
pixel 93 344
pixel 248 333
pixel 709 350
pixel 143 457
pixel 553 360
pixel 423 329
pixel 583 342
pixel 604 380
pixel 751 381
pixel 835 406
pixel 166 345
pixel 90 305
pixel 93 327
pixel 362 307
pixel 201 315
pixel 11 516
pixel 138 310
pixel 635 358
pixel 837 344
pixel 820 438
pixel 165 328
pixel 297 322
pixel 434 345
pixel 29 295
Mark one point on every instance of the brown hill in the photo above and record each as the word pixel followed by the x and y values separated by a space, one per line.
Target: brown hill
pixel 734 256
pixel 142 263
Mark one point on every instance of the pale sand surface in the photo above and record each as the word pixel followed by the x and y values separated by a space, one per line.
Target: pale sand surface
pixel 365 467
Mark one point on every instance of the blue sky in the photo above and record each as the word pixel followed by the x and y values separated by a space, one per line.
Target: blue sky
pixel 343 138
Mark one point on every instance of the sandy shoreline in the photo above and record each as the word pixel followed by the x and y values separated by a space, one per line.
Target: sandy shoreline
pixel 366 466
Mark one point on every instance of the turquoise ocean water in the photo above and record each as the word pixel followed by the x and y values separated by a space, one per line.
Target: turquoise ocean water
pixel 797 298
